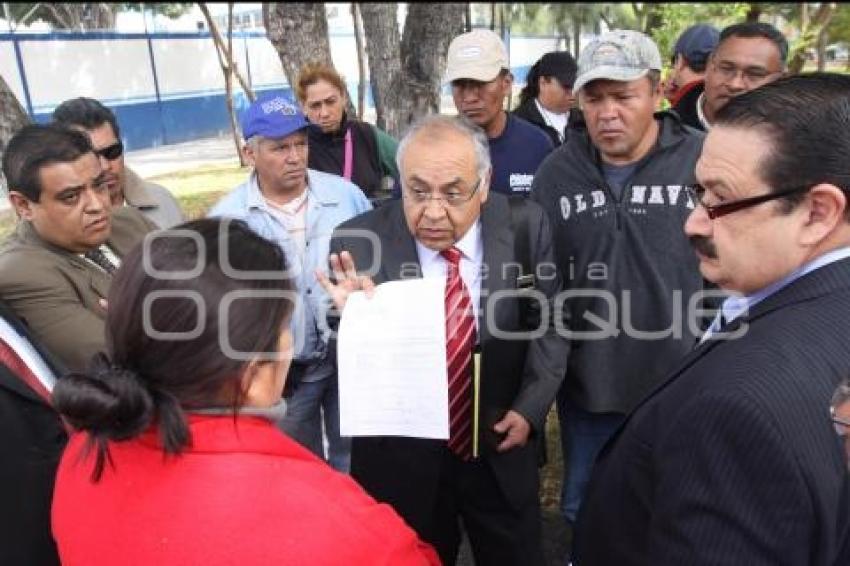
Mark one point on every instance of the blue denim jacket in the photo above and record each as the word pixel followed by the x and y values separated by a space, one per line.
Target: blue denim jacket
pixel 331 200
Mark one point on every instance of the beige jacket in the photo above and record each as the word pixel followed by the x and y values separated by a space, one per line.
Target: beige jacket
pixel 154 201
pixel 57 292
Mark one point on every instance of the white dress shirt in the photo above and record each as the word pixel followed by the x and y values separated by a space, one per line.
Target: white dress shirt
pixel 472 258
pixel 28 354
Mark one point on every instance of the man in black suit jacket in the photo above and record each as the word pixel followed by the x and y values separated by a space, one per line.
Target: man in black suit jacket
pixel 496 495
pixel 32 438
pixel 734 459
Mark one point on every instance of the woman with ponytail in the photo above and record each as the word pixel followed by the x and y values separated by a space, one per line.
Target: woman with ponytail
pixel 177 459
pixel 547 98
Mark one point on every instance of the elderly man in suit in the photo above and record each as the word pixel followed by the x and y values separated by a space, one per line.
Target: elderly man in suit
pixel 32 438
pixel 450 225
pixel 733 459
pixel 56 268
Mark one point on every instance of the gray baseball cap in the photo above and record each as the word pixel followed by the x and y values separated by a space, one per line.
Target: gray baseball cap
pixel 619 55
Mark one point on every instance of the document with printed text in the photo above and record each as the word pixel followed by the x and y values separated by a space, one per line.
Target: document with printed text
pixel 392 361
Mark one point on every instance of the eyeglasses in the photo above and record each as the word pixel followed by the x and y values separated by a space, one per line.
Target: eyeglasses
pixel 842 425
pixel 697 193
pixel 111 152
pixel 752 76
pixel 455 198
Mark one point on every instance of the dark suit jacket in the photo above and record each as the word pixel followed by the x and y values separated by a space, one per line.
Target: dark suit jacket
pixel 519 375
pixel 57 292
pixel 734 460
pixel 32 439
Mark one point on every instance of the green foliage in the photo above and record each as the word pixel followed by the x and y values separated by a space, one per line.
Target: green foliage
pixel 170 10
pixel 839 26
pixel 677 17
pixel 74 15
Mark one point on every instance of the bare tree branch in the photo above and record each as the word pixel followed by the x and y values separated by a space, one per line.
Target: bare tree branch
pixel 226 51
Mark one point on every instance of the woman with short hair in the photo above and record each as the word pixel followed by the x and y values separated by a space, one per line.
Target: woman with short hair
pixel 340 144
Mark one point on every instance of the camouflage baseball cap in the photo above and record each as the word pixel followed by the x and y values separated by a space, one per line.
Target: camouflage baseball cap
pixel 619 55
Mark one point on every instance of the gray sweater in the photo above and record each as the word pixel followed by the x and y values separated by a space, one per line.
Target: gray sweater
pixel 628 269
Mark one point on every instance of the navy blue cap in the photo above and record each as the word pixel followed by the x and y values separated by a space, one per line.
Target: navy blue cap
pixel 697 42
pixel 272 116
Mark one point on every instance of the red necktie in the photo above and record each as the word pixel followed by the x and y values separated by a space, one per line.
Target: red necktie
pixel 460 338
pixel 16 365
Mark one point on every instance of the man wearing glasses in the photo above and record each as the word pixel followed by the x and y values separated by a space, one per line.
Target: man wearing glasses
pixel 125 186
pixel 449 224
pixel 748 56
pixel 732 459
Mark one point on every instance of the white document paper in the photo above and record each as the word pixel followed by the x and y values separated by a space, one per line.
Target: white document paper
pixel 392 361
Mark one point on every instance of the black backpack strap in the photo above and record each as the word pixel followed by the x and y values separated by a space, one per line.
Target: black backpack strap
pixel 521 230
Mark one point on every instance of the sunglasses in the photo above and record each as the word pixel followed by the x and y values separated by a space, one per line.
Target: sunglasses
pixel 111 152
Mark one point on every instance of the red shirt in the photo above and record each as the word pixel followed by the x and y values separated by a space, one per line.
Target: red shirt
pixel 243 493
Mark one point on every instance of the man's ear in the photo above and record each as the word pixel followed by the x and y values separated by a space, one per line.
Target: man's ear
pixel 248 153
pixel 22 205
pixel 826 209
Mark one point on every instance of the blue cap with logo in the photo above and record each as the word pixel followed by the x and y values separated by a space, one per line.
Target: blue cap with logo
pixel 272 116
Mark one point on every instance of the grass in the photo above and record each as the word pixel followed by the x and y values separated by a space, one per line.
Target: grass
pixel 201 180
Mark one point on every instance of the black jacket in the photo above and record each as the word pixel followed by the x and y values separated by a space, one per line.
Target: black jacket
pixel 686 106
pixel 522 375
pixel 734 460
pixel 628 255
pixel 528 111
pixel 32 439
pixel 327 153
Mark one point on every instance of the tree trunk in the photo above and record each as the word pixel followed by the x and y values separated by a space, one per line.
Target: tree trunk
pixel 576 34
pixel 406 75
pixel 809 36
pixel 753 13
pixel 361 60
pixel 13 117
pixel 640 10
pixel 823 40
pixel 299 33
pixel 653 20
pixel 383 45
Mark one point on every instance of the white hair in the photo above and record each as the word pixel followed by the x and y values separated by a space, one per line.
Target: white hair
pixel 435 124
pixel 254 142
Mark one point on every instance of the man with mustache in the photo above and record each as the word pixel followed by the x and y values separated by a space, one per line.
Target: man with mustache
pixel 734 458
pixel 617 200
pixel 479 72
pixel 298 208
pixel 57 266
pixel 125 186
pixel 748 56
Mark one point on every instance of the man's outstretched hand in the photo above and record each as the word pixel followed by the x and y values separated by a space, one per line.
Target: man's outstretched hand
pixel 347 280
